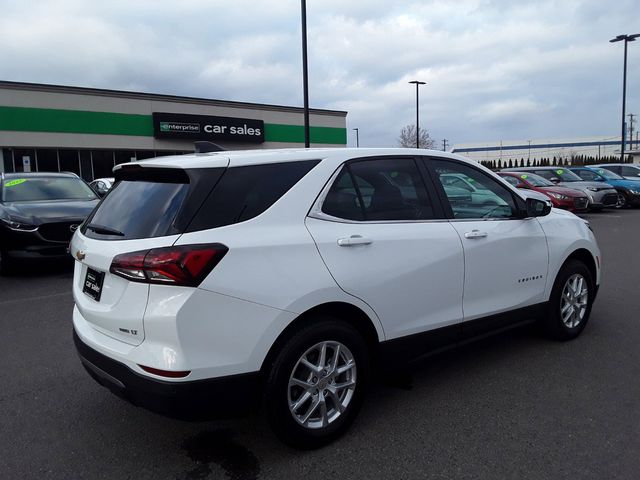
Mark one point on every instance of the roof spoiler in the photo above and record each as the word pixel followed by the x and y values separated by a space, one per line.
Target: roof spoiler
pixel 206 147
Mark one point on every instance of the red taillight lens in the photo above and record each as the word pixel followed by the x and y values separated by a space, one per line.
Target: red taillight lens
pixel 185 265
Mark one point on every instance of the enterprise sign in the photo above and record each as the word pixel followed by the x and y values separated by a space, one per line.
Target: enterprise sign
pixel 204 127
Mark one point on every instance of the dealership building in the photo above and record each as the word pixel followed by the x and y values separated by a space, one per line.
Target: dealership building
pixel 88 131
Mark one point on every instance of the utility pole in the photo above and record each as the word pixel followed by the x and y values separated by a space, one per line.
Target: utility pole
pixel 357 138
pixel 444 144
pixel 631 122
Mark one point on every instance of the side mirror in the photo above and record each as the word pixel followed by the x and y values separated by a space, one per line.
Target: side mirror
pixel 554 179
pixel 101 192
pixel 537 208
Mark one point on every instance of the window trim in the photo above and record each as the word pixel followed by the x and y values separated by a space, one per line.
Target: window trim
pixel 518 201
pixel 316 209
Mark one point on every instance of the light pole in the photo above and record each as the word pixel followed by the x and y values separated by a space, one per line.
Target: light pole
pixel 305 74
pixel 627 39
pixel 417 84
pixel 357 138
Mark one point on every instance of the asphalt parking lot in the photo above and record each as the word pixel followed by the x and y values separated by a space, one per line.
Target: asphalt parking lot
pixel 512 406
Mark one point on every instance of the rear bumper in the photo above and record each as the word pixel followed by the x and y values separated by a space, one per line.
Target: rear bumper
pixel 195 400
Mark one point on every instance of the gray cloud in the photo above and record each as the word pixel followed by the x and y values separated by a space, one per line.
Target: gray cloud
pixel 494 69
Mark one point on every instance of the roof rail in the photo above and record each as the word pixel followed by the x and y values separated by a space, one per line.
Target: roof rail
pixel 206 147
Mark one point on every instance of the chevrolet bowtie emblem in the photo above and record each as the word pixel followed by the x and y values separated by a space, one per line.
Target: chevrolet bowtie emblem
pixel 80 255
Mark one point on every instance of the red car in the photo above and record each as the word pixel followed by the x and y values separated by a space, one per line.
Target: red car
pixel 561 197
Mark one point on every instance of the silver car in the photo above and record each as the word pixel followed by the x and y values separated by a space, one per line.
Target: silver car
pixel 600 194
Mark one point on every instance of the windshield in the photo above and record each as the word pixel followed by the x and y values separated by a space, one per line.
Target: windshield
pixel 608 175
pixel 566 175
pixel 536 180
pixel 38 189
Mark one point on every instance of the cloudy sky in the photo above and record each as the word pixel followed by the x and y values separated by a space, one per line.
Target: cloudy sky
pixel 500 69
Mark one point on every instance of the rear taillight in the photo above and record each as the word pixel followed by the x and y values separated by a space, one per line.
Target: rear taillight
pixel 185 265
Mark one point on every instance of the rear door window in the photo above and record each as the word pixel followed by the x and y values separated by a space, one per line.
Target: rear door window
pixel 379 190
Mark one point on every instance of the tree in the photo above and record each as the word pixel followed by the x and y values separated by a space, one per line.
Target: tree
pixel 407 138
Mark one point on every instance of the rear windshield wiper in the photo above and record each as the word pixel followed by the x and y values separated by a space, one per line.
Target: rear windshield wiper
pixel 102 230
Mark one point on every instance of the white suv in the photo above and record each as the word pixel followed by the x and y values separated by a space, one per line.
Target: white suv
pixel 209 283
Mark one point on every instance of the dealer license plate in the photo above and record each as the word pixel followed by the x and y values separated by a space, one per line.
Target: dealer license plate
pixel 93 284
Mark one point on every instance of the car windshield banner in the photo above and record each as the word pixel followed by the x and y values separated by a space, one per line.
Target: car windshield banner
pixel 204 127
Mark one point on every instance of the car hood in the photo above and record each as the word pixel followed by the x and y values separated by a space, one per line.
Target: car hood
pixel 634 184
pixel 570 192
pixel 584 185
pixel 43 212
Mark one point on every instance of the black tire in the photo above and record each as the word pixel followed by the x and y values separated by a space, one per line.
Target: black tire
pixel 286 427
pixel 553 323
pixel 622 201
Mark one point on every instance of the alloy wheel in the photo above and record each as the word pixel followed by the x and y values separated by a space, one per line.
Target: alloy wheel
pixel 322 384
pixel 574 300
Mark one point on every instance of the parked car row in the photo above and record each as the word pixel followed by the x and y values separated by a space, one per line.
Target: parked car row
pixel 569 187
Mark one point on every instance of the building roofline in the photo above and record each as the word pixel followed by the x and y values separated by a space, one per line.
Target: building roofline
pixel 534 146
pixel 42 87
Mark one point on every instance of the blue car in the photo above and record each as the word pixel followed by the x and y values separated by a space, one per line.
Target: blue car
pixel 628 190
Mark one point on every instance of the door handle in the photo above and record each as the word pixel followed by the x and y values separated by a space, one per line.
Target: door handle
pixel 475 234
pixel 354 240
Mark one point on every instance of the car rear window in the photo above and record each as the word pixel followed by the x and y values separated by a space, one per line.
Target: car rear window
pixel 138 209
pixel 155 202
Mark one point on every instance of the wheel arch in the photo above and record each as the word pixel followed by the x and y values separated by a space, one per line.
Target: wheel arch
pixel 585 256
pixel 344 311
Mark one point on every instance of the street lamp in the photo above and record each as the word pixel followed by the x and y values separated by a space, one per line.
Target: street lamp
pixel 357 138
pixel 305 74
pixel 627 39
pixel 417 84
